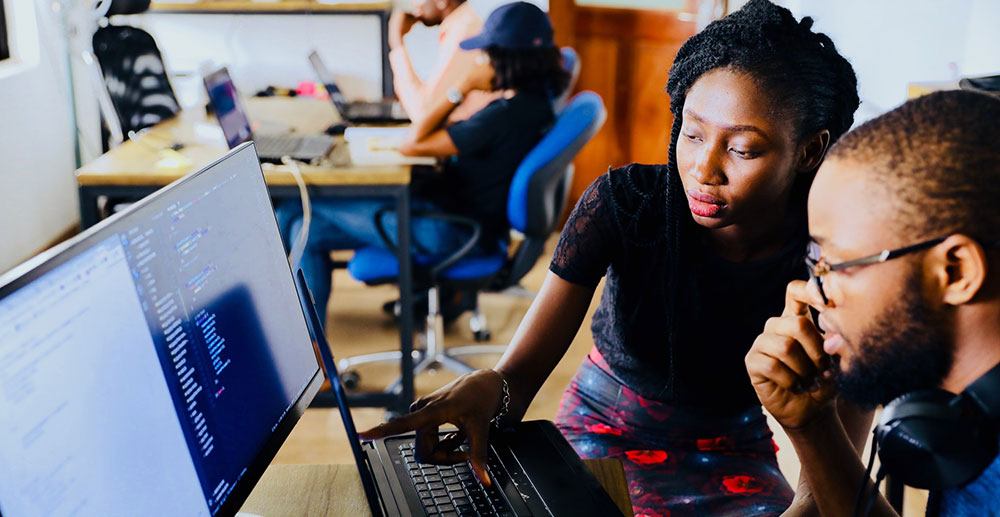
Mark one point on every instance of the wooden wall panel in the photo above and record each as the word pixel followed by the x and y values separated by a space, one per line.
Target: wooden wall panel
pixel 625 57
pixel 599 58
pixel 649 111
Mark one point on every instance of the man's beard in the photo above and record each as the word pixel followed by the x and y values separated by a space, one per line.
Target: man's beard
pixel 905 349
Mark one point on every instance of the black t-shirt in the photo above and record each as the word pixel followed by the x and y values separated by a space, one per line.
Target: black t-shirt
pixel 491 145
pixel 617 230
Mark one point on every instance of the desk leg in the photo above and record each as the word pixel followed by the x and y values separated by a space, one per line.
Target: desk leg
pixel 387 89
pixel 89 212
pixel 405 300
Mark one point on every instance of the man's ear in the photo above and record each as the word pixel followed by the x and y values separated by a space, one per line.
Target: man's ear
pixel 959 267
pixel 812 151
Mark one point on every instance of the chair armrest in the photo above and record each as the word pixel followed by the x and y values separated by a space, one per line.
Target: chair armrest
pixel 450 260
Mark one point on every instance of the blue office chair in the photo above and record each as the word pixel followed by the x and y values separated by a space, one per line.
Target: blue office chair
pixel 571 62
pixel 535 203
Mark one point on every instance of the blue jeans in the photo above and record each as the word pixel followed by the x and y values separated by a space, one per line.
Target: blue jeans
pixel 349 224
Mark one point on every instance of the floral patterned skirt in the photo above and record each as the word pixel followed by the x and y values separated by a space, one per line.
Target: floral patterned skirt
pixel 677 464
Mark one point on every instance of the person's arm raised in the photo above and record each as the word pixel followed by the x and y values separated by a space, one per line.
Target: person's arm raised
pixel 471 401
pixel 789 371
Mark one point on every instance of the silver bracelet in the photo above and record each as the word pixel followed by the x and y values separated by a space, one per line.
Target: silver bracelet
pixel 504 403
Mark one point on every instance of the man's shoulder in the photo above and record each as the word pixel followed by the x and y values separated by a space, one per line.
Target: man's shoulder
pixel 464 21
pixel 980 497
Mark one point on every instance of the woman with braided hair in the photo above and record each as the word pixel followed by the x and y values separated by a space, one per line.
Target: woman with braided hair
pixel 696 255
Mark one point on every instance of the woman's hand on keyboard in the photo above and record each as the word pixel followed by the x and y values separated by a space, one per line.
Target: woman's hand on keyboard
pixel 469 403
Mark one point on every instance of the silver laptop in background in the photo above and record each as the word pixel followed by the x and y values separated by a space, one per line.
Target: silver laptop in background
pixel 357 112
pixel 228 109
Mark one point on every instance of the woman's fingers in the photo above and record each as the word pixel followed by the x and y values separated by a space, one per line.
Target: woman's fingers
pixel 404 424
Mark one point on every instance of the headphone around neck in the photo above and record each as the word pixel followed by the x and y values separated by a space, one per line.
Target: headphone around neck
pixel 933 439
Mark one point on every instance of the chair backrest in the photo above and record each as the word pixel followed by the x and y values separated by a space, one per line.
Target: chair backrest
pixel 571 63
pixel 538 191
pixel 134 76
pixel 127 7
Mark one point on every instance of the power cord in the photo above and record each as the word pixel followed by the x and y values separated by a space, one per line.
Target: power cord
pixel 299 243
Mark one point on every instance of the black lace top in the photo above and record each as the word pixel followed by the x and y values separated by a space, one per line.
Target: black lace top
pixel 617 230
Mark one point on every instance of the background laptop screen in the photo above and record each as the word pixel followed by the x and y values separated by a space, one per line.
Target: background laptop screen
pixel 326 78
pixel 226 103
pixel 145 368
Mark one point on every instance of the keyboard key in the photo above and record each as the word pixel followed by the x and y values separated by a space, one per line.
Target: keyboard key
pixel 442 500
pixel 439 493
pixel 436 485
pixel 465 509
pixel 449 514
pixel 460 501
pixel 427 502
pixel 431 478
pixel 454 487
pixel 446 507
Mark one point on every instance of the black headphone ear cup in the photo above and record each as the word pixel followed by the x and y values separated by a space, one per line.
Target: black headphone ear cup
pixel 928 440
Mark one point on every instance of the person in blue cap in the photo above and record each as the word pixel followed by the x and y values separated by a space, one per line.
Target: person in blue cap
pixel 520 62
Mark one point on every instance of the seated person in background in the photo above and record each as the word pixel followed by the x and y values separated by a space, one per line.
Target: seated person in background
pixel 458 22
pixel 482 153
pixel 924 178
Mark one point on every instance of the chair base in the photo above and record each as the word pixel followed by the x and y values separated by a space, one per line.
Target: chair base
pixel 434 355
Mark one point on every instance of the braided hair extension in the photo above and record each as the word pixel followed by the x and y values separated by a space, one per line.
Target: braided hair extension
pixel 816 86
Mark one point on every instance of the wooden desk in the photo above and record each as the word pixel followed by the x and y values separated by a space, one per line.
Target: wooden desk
pixel 139 167
pixel 335 490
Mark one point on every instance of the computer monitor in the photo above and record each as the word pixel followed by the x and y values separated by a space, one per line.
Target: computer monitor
pixel 155 363
pixel 225 100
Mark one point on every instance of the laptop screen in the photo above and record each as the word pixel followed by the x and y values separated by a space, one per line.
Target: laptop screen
pixel 325 77
pixel 156 362
pixel 225 102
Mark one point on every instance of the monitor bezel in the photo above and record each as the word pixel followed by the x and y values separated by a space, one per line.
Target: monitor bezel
pixel 41 264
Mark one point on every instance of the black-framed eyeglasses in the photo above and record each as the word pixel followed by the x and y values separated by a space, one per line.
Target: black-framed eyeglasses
pixel 818 267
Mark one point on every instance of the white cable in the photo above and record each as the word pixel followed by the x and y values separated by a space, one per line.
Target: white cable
pixel 299 244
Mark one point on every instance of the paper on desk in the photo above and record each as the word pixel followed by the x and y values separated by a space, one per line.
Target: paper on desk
pixel 377 146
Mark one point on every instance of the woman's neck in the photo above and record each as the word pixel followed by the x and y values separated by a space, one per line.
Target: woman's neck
pixel 744 243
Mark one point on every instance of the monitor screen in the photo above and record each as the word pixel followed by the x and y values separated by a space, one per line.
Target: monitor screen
pixel 225 102
pixel 156 362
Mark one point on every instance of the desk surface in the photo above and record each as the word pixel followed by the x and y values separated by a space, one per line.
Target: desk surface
pixel 336 489
pixel 147 161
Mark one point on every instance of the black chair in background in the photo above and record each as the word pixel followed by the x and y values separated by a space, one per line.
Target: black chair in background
pixel 132 74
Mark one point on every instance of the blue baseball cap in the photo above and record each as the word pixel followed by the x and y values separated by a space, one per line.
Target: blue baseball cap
pixel 516 26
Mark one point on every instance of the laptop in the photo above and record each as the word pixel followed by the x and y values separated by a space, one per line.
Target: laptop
pixel 154 364
pixel 225 101
pixel 529 464
pixel 357 112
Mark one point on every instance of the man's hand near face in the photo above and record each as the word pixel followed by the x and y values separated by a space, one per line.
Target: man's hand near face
pixel 794 381
pixel 787 365
pixel 400 24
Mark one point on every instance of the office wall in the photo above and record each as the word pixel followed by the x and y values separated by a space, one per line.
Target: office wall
pixel 262 50
pixel 892 43
pixel 37 156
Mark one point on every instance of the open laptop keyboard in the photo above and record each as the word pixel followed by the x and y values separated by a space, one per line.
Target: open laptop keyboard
pixel 453 490
pixel 292 145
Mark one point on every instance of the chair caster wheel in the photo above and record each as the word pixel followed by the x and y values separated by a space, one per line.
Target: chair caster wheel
pixel 482 335
pixel 350 379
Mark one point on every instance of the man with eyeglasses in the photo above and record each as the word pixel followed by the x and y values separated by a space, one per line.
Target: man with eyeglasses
pixel 904 274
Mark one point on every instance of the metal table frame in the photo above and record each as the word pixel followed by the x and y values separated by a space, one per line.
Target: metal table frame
pixel 397 402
